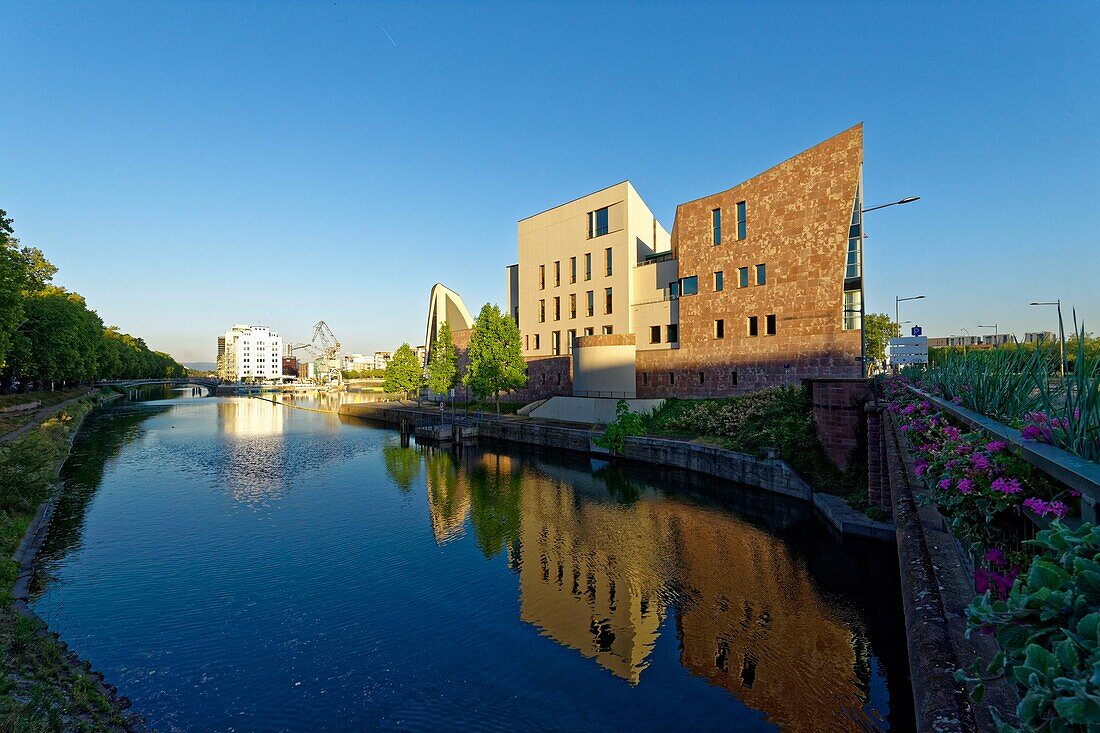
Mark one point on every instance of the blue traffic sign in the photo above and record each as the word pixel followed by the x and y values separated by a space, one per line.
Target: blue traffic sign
pixel 917 331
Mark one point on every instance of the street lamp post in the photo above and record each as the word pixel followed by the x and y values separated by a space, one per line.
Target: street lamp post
pixel 897 310
pixel 862 299
pixel 1061 335
pixel 996 331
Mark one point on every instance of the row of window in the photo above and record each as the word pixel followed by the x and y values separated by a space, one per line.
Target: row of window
pixel 608 269
pixel 533 341
pixel 589 305
pixel 716 223
pixel 752 328
pixel 690 285
pixel 702 376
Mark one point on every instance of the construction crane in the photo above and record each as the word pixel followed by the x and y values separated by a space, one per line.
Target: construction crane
pixel 325 349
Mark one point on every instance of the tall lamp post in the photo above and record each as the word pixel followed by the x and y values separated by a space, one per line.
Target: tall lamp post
pixel 862 299
pixel 996 331
pixel 897 310
pixel 1061 335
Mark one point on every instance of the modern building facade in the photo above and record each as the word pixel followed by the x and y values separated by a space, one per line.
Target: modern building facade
pixel 757 285
pixel 251 354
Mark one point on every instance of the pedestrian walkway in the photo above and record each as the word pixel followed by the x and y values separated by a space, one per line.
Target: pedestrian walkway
pixel 42 415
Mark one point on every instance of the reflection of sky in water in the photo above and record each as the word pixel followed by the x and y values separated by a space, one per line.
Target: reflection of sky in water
pixel 291 571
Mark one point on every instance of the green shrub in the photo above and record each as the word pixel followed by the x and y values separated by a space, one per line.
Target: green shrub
pixel 1048 629
pixel 626 423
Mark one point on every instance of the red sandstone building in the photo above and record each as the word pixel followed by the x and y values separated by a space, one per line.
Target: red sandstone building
pixel 755 286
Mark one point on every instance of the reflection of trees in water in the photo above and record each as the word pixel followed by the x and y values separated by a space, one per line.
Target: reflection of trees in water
pixel 402 464
pixel 496 488
pixel 101 438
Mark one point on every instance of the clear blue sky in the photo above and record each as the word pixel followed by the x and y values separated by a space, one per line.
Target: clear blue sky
pixel 191 165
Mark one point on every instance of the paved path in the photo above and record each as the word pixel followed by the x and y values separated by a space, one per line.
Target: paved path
pixel 42 415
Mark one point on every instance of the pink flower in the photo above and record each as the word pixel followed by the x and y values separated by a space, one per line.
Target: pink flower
pixel 945 484
pixel 965 486
pixel 952 433
pixel 980 461
pixel 1006 485
pixel 996 446
pixel 1043 508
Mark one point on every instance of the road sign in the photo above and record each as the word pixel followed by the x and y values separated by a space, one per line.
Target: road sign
pixel 908 350
pixel 916 331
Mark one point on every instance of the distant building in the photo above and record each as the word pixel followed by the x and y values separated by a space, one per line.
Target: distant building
pixel 251 354
pixel 221 355
pixel 1038 337
pixel 998 339
pixel 382 359
pixel 422 355
pixel 358 362
pixel 290 366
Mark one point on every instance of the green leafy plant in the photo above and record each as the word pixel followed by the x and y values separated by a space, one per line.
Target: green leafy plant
pixel 626 424
pixel 1048 629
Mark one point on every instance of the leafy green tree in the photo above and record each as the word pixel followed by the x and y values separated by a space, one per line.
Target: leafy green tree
pixel 878 329
pixel 442 362
pixel 496 360
pixel 13 281
pixel 403 373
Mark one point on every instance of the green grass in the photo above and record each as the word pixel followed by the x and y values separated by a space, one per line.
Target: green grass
pixel 40 689
pixel 780 417
pixel 46 398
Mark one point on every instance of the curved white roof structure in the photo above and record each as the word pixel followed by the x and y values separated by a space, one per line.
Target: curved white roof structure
pixel 445 304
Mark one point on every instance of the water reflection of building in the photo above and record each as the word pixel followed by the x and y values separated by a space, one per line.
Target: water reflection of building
pixel 599 577
pixel 752 622
pixel 448 497
pixel 589 574
pixel 254 465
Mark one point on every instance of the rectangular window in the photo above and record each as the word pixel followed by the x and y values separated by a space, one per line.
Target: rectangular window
pixel 557 308
pixel 742 277
pixel 645 378
pixel 555 343
pixel 654 334
pixel 542 277
pixel 716 225
pixel 753 328
pixel 672 378
pixel 607 257
pixel 672 333
pixel 589 331
pixel 572 305
pixel 536 342
pixel 720 329
pixel 588 266
pixel 607 301
pixel 570 336
pixel 557 273
pixel 674 290
pixel 591 304
pixel 608 330
pixel 597 223
pixel 741 220
pixel 733 379
pixel 689 285
pixel 769 325
pixel 761 275
pixel 572 269
pixel 702 376
pixel 719 281
pixel 853 317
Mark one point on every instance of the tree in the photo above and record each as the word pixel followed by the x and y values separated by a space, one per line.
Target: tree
pixel 442 362
pixel 403 373
pixel 13 281
pixel 496 360
pixel 878 329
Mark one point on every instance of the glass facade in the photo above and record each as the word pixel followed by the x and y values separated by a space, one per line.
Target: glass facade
pixel 853 268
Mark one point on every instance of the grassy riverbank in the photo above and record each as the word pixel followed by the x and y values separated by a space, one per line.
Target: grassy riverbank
pixel 780 417
pixel 11 420
pixel 42 688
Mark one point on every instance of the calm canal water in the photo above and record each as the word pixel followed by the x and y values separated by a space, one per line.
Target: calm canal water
pixel 232 564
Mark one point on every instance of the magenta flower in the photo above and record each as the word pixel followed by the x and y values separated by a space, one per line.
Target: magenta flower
pixel 1006 485
pixel 965 486
pixel 995 557
pixel 980 461
pixel 944 484
pixel 952 433
pixel 1043 508
pixel 996 446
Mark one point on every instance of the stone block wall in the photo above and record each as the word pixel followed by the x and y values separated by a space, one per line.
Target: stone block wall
pixel 838 414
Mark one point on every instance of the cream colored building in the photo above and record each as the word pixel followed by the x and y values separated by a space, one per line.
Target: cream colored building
pixel 581 272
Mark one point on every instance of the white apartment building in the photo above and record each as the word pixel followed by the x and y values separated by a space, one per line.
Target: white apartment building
pixel 382 359
pixel 252 354
pixel 358 362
